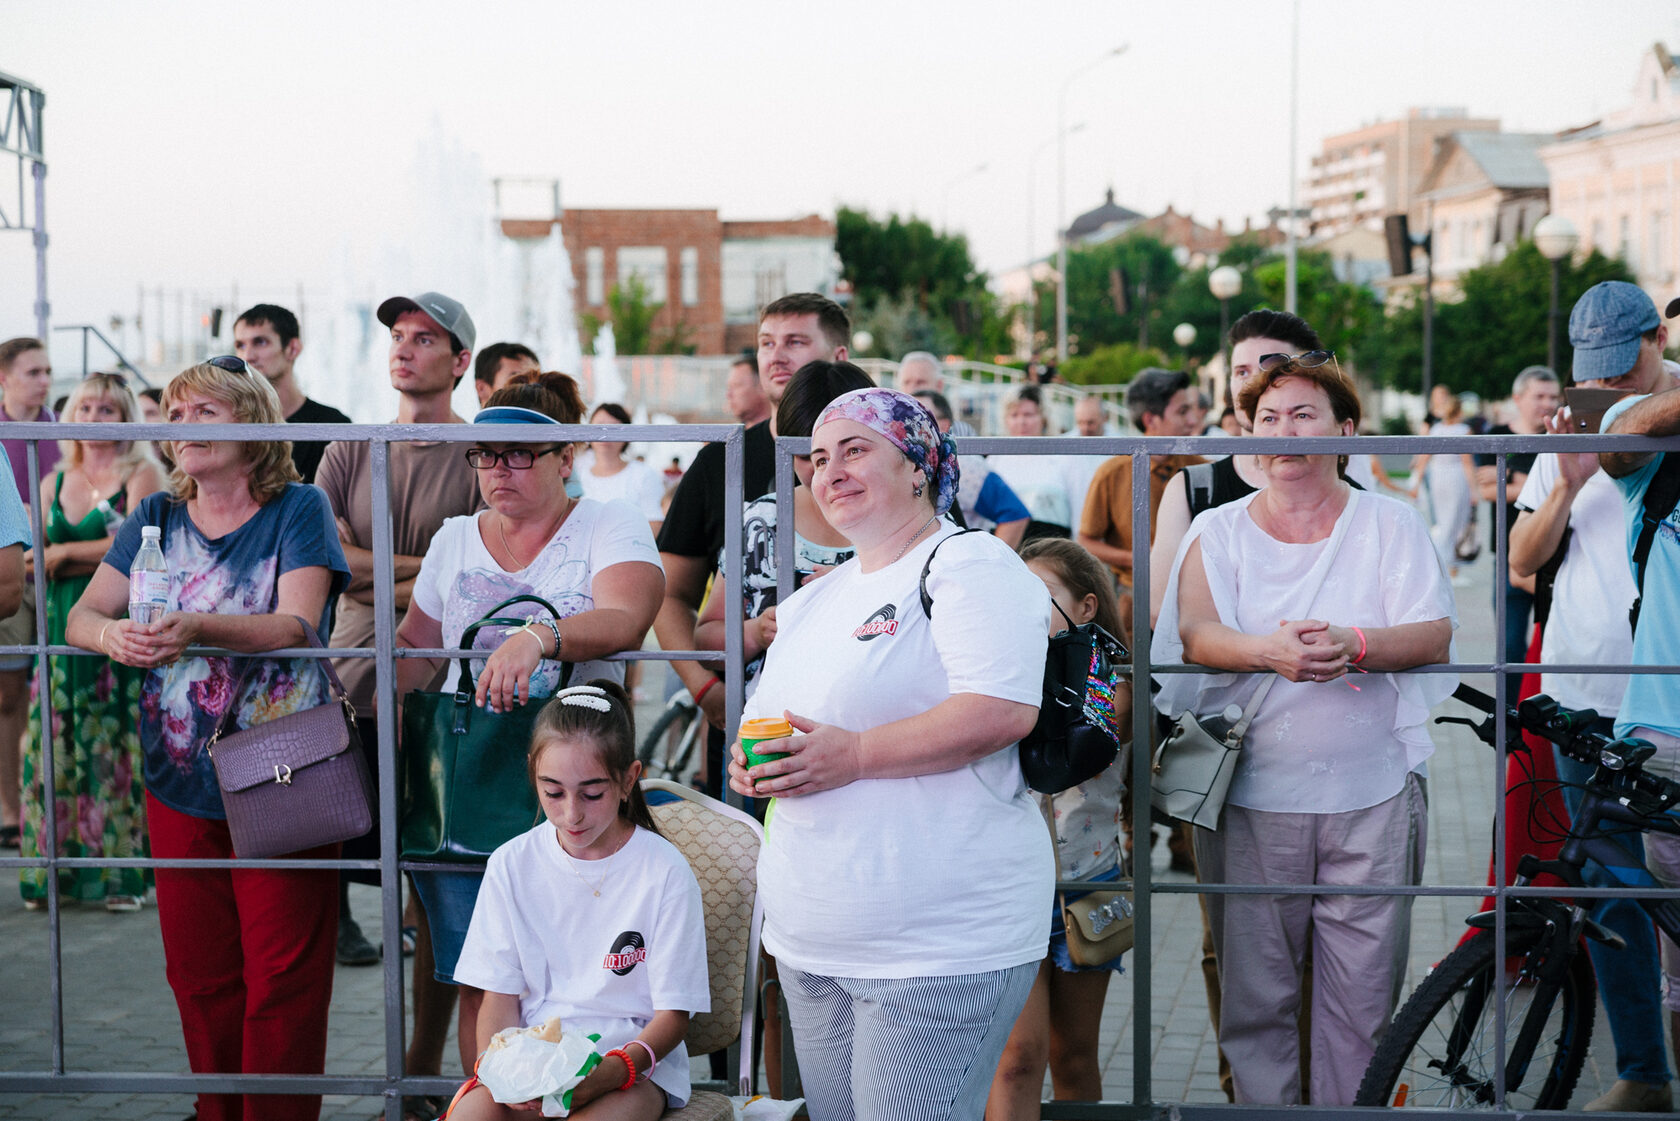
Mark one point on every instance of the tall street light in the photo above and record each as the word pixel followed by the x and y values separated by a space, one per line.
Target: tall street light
pixel 1225 282
pixel 1061 198
pixel 1555 237
pixel 945 194
pixel 1032 247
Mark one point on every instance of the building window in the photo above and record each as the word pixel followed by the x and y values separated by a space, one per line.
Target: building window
pixel 1624 242
pixel 1654 239
pixel 1597 241
pixel 594 276
pixel 648 263
pixel 690 276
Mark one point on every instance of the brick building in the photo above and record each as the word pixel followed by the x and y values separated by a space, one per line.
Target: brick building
pixel 711 275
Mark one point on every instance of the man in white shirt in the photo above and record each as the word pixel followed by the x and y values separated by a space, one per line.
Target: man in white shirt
pixel 1567 502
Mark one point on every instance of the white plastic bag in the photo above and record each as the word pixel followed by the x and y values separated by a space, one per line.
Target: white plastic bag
pixel 527 1068
pixel 761 1108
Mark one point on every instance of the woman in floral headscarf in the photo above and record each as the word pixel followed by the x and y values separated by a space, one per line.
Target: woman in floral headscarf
pixel 907 874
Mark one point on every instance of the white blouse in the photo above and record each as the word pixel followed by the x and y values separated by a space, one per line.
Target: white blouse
pixel 1316 747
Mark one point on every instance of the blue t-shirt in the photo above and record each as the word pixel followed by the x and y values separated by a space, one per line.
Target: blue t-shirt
pixel 998 503
pixel 1652 701
pixel 14 523
pixel 237 574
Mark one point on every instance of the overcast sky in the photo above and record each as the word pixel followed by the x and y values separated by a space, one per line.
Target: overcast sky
pixel 192 145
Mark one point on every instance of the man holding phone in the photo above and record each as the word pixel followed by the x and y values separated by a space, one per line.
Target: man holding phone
pixel 1567 504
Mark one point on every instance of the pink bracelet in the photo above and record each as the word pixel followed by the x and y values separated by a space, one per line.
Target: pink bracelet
pixel 652 1061
pixel 1359 657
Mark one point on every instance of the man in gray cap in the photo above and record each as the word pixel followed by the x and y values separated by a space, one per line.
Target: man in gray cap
pixel 1619 340
pixel 432 337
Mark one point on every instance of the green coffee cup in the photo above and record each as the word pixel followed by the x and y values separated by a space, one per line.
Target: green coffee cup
pixel 761 730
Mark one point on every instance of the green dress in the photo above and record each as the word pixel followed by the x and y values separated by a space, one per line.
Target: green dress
pixel 97 783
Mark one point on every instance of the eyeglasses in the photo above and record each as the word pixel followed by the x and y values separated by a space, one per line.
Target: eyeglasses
pixel 516 459
pixel 1311 360
pixel 231 364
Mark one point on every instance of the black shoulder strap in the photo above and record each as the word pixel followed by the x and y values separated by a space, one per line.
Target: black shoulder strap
pixel 1198 480
pixel 927 600
pixel 1660 498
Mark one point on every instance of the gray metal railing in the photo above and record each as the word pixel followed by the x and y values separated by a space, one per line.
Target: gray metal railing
pixel 394 1083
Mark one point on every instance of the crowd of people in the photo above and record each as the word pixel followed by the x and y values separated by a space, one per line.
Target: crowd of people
pixel 925 968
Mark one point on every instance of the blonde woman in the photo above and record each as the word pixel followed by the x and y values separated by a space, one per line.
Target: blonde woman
pixel 94 733
pixel 251 550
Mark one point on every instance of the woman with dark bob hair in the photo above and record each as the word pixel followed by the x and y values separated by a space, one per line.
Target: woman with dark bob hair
pixel 249 953
pixel 1327 790
pixel 594 561
pixel 817 546
pixel 907 872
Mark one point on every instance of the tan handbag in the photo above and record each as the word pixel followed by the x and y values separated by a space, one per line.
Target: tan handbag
pixel 1099 924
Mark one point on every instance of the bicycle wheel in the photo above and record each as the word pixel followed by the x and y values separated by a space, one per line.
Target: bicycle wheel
pixel 680 709
pixel 1439 1051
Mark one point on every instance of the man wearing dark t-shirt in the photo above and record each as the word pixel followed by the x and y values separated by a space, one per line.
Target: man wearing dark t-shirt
pixel 1534 395
pixel 266 336
pixel 793 330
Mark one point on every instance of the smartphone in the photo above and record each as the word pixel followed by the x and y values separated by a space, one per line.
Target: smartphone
pixel 1588 406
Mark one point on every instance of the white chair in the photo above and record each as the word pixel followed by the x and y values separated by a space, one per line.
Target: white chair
pixel 721 844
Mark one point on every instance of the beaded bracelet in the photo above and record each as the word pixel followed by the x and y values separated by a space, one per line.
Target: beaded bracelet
pixel 628 1062
pixel 553 625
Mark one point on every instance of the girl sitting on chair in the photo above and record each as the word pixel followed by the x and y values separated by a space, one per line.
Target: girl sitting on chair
pixel 591 916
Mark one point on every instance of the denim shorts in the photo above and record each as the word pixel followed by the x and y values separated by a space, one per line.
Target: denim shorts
pixel 1058 933
pixel 448 898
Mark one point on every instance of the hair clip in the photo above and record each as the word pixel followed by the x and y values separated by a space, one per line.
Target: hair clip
pixel 599 704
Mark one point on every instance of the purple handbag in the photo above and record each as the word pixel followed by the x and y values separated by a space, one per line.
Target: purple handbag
pixel 296 782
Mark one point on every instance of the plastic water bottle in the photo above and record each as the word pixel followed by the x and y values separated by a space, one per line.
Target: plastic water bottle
pixel 113 520
pixel 148 578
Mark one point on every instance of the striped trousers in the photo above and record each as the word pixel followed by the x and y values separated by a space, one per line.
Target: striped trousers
pixel 902 1049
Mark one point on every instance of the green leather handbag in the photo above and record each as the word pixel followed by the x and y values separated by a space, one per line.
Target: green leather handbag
pixel 465 789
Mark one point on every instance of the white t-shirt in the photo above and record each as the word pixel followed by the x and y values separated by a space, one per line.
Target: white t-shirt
pixel 602 964
pixel 1316 747
pixel 1588 624
pixel 1045 483
pixel 459 581
pixel 936 875
pixel 638 484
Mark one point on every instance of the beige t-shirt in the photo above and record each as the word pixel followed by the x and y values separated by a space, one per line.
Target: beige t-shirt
pixel 429 484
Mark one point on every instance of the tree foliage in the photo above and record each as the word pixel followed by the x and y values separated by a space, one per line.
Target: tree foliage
pixel 910 281
pixel 1499 326
pixel 1111 365
pixel 631 314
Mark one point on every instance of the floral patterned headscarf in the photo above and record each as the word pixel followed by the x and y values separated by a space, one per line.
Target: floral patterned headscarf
pixel 911 428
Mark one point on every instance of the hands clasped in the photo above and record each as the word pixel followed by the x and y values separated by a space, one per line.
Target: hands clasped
pixel 146 645
pixel 1309 650
pixel 820 757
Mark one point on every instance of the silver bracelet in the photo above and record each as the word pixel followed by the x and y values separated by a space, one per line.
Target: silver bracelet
pixel 554 626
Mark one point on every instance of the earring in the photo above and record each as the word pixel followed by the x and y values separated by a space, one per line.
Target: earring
pixel 917 492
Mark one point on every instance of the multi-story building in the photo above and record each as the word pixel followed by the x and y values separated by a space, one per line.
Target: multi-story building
pixel 1618 179
pixel 1482 194
pixel 712 276
pixel 1364 175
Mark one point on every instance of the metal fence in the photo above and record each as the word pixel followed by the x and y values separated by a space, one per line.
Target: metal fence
pixel 393 1083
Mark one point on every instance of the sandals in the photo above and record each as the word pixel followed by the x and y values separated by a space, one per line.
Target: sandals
pixel 9 836
pixel 420 1107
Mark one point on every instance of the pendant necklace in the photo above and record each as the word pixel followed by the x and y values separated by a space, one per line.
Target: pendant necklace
pixel 906 546
pixel 501 528
pixel 570 863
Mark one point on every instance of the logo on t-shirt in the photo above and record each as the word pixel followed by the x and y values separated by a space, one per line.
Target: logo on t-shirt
pixel 882 622
pixel 627 949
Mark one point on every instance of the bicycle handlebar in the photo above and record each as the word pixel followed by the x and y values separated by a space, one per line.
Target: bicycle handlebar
pixel 1571 730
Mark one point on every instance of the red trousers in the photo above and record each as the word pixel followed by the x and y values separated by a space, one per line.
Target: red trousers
pixel 249 955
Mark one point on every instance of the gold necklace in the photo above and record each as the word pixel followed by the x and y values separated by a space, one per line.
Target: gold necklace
pixel 501 528
pixel 595 889
pixel 906 546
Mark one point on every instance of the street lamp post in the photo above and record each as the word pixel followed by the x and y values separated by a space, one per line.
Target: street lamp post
pixel 1061 199
pixel 1225 282
pixel 1185 336
pixel 1555 237
pixel 1032 247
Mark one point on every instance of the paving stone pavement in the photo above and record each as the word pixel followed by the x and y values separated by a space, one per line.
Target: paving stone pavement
pixel 119 1015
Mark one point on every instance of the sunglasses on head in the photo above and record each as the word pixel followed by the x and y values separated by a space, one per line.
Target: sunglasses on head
pixel 1310 360
pixel 231 364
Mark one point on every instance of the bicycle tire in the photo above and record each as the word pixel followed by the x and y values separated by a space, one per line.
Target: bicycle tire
pixel 1411 1063
pixel 678 708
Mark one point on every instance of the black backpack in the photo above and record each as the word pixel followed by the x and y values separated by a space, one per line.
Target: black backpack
pixel 1660 497
pixel 1078 733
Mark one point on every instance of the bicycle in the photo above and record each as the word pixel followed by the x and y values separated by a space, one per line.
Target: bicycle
pixel 672 738
pixel 1440 1049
